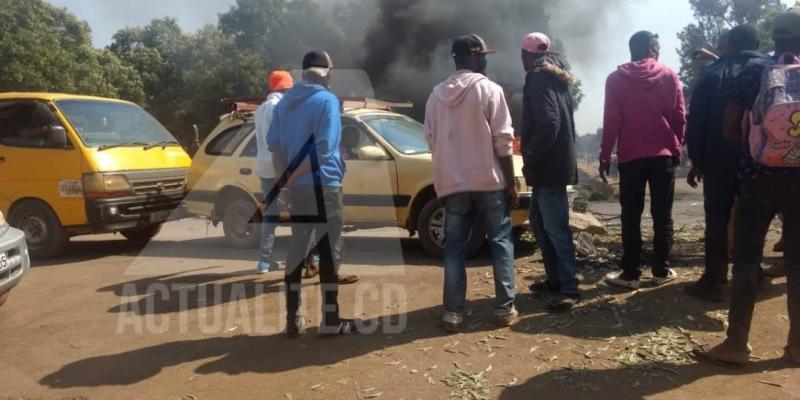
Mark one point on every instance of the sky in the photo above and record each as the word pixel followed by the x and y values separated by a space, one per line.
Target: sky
pixel 614 29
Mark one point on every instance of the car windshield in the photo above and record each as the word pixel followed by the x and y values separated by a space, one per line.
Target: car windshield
pixel 105 123
pixel 403 133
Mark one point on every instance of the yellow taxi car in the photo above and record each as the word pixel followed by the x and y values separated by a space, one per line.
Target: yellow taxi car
pixel 388 183
pixel 73 165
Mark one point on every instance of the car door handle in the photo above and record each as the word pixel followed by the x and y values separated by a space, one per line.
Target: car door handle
pixel 2 159
pixel 246 171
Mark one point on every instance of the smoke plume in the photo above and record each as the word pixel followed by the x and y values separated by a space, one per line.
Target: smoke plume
pixel 407 48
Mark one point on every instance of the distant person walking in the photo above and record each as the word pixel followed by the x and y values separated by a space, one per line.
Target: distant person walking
pixel 645 118
pixel 279 83
pixel 548 150
pixel 304 138
pixel 715 159
pixel 770 173
pixel 469 131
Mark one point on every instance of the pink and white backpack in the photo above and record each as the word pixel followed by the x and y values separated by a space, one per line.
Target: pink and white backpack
pixel 775 118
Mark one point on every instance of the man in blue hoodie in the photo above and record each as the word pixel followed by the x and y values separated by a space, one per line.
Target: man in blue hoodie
pixel 304 138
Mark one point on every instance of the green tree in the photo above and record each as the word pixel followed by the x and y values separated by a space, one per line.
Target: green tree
pixel 712 18
pixel 45 48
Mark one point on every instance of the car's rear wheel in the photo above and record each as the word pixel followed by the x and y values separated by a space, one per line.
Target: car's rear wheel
pixel 142 236
pixel 431 222
pixel 44 234
pixel 241 224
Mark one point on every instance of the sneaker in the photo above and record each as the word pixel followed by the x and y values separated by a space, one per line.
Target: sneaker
pixel 452 321
pixel 345 327
pixel 706 291
pixel 544 287
pixel 295 326
pixel 619 279
pixel 506 318
pixel 265 267
pixel 671 276
pixel 563 303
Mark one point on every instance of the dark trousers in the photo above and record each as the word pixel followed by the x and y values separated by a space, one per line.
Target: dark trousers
pixel 317 222
pixel 756 206
pixel 659 174
pixel 720 186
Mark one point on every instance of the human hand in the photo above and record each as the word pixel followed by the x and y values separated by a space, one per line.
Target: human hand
pixel 695 177
pixel 605 170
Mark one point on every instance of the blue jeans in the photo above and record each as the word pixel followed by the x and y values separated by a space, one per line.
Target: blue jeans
pixel 491 210
pixel 549 218
pixel 268 229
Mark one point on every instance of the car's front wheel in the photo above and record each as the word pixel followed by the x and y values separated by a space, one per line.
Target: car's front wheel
pixel 44 233
pixel 431 223
pixel 241 224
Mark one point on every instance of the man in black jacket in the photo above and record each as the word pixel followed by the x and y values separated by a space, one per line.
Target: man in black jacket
pixel 715 159
pixel 548 149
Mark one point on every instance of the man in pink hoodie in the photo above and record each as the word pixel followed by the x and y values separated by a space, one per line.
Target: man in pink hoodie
pixel 645 116
pixel 468 127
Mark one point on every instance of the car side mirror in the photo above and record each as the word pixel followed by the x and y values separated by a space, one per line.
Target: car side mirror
pixel 58 136
pixel 372 153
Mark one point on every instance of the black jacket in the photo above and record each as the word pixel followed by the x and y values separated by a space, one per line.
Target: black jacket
pixel 708 147
pixel 548 125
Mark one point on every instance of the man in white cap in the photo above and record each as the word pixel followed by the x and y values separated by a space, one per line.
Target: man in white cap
pixel 548 151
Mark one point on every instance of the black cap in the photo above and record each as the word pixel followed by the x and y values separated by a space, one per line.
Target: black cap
pixel 469 45
pixel 642 40
pixel 317 59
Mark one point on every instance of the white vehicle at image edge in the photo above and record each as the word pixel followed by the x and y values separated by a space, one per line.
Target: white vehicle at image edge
pixel 14 258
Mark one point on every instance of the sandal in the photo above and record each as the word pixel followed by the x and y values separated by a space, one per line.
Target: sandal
pixel 709 356
pixel 347 279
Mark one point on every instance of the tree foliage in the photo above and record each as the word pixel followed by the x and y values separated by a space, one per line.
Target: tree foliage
pixel 45 48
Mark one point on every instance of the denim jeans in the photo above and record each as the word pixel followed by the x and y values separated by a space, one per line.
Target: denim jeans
pixel 549 218
pixel 492 211
pixel 635 176
pixel 268 228
pixel 720 186
pixel 315 222
pixel 758 203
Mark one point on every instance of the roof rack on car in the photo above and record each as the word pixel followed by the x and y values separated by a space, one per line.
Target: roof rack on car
pixel 365 102
pixel 242 107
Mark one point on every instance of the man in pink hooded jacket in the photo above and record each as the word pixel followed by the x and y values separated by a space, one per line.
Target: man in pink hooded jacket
pixel 645 117
pixel 469 131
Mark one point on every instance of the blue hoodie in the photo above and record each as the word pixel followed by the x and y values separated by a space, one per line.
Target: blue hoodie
pixel 307 110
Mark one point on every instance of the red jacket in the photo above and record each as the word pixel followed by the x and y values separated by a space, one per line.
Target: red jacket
pixel 645 112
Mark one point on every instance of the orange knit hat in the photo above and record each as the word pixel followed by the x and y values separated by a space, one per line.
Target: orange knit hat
pixel 280 80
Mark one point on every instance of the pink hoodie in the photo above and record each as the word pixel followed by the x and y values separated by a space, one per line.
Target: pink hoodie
pixel 645 112
pixel 468 126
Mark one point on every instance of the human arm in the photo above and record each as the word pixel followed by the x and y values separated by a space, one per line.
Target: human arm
pixel 612 126
pixel 678 121
pixel 502 131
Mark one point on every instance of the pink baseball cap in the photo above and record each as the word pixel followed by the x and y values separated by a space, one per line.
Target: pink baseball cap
pixel 536 43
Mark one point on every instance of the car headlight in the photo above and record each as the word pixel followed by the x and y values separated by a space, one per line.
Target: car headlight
pixel 2 219
pixel 97 186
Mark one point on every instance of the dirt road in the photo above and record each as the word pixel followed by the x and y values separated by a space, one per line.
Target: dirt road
pixel 185 318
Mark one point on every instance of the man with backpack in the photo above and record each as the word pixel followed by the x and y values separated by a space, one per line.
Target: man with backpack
pixel 715 159
pixel 766 94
